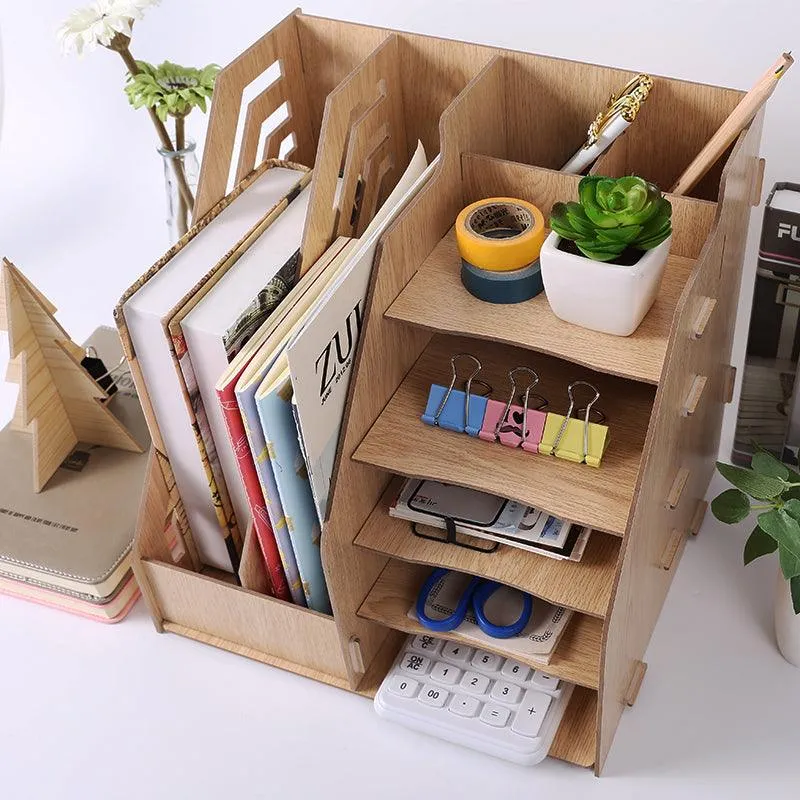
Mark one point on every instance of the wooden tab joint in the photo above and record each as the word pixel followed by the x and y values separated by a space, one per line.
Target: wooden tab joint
pixel 758 183
pixel 730 383
pixel 695 393
pixel 356 656
pixel 698 517
pixel 632 692
pixel 703 316
pixel 672 549
pixel 678 485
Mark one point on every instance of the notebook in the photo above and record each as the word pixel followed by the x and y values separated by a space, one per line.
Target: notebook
pixel 321 355
pixel 146 309
pixel 237 398
pixel 75 536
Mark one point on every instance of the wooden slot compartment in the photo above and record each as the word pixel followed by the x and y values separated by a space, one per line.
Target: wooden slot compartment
pixel 601 497
pixel 583 586
pixel 435 299
pixel 577 655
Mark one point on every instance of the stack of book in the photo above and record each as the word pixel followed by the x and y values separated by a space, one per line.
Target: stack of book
pixel 243 360
pixel 69 546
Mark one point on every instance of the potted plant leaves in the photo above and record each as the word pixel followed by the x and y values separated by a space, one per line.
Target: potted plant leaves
pixel 604 258
pixel 776 490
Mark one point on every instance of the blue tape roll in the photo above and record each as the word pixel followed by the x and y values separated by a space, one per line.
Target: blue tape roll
pixel 514 286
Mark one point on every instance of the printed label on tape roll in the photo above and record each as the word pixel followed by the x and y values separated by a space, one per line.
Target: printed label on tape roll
pixel 500 234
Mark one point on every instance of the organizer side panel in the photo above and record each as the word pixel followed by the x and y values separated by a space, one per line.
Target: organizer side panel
pixel 273 627
pixel 280 44
pixel 681 449
pixel 387 350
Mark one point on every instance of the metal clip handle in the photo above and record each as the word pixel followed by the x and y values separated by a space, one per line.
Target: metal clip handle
pixel 503 421
pixel 467 385
pixel 587 410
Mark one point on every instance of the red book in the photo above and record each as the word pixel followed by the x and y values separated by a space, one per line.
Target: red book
pixel 255 497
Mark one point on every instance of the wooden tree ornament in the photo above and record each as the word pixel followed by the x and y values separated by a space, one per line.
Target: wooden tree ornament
pixel 60 403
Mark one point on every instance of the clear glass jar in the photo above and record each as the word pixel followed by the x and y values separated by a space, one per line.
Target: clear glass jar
pixel 181 173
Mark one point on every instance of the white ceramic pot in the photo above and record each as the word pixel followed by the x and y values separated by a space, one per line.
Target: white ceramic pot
pixel 597 295
pixel 787 623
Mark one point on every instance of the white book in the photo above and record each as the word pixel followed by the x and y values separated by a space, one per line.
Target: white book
pixel 146 315
pixel 321 354
pixel 222 322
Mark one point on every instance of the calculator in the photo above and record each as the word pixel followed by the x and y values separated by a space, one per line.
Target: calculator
pixel 474 698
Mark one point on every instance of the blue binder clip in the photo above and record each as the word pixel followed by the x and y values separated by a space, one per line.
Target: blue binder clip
pixel 453 409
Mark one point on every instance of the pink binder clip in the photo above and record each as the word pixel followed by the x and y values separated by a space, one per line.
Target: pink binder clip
pixel 504 423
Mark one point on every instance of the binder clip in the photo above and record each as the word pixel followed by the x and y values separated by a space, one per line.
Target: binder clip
pixel 453 409
pixel 504 423
pixel 581 441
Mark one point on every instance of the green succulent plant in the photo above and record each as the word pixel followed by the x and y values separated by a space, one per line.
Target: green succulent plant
pixel 170 89
pixel 613 214
pixel 778 489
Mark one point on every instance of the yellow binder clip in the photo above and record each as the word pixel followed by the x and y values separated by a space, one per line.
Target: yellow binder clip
pixel 581 441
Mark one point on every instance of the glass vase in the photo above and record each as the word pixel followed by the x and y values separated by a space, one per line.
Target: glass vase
pixel 181 172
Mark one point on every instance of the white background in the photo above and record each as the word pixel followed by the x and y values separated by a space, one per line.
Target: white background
pixel 90 711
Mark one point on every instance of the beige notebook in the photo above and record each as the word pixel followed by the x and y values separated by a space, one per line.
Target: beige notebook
pixel 76 535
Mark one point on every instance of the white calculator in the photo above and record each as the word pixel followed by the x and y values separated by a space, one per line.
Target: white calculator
pixel 474 698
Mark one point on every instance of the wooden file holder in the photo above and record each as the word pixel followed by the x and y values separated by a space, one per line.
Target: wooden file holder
pixel 504 121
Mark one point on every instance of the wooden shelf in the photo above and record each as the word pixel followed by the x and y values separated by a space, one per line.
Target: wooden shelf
pixel 577 656
pixel 601 498
pixel 576 738
pixel 583 586
pixel 435 299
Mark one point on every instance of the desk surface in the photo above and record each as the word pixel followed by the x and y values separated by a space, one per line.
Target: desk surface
pixel 94 711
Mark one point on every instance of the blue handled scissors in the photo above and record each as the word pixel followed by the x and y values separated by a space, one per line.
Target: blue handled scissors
pixel 476 594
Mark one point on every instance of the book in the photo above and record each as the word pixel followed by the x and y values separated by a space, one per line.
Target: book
pixel 224 319
pixel 489 517
pixel 75 537
pixel 536 643
pixel 322 352
pixel 199 418
pixel 146 310
pixel 237 391
pixel 274 403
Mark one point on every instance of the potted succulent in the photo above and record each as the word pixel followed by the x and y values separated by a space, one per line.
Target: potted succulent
pixel 776 488
pixel 603 260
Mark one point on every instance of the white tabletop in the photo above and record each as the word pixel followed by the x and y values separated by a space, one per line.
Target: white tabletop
pixel 92 711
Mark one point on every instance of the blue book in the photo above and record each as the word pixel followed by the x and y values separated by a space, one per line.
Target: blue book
pixel 274 402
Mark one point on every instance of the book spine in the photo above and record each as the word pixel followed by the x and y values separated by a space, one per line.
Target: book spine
pixel 247 469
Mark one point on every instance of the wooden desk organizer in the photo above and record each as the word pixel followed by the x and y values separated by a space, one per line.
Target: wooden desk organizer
pixel 504 122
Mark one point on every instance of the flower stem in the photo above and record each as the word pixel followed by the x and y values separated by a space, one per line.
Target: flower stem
pixel 180 174
pixel 180 144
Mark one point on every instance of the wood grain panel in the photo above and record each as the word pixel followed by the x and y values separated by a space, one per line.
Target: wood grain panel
pixel 584 586
pixel 601 498
pixel 577 655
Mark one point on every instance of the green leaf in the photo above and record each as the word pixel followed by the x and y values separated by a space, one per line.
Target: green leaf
pixel 794 587
pixel 731 506
pixel 758 544
pixel 792 508
pixel 767 464
pixel 761 487
pixel 790 564
pixel 783 528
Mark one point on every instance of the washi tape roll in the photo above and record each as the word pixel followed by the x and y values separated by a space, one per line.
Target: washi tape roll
pixel 500 234
pixel 514 286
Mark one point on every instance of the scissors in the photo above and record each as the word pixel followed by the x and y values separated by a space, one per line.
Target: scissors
pixel 476 594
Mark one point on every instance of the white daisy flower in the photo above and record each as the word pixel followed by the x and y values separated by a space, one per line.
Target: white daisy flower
pixel 99 23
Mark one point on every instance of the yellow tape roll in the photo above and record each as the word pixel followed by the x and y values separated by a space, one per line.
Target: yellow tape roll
pixel 500 233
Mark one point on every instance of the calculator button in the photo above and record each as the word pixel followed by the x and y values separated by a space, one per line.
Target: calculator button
pixel 465 706
pixel 445 673
pixel 456 652
pixel 531 713
pixel 496 716
pixel 485 661
pixel 433 695
pixel 515 671
pixel 506 692
pixel 414 664
pixel 403 687
pixel 545 682
pixel 429 645
pixel 474 683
